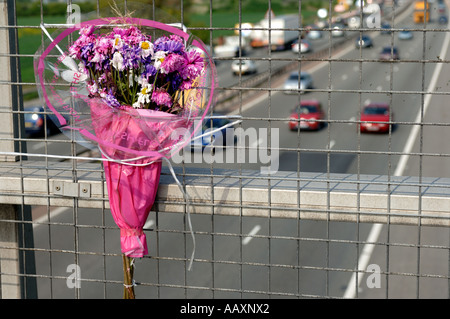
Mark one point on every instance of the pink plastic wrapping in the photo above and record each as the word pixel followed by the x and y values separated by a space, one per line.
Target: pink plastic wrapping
pixel 132 191
pixel 65 90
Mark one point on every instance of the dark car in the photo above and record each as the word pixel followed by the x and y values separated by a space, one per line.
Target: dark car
pixel 37 122
pixel 364 42
pixel 311 116
pixel 443 19
pixel 216 138
pixel 389 53
pixel 385 28
pixel 376 117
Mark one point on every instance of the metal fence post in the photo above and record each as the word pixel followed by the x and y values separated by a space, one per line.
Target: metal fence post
pixel 13 235
pixel 9 255
pixel 10 91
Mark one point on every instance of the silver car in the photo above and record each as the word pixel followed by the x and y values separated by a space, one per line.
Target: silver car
pixel 405 35
pixel 337 31
pixel 291 85
pixel 243 67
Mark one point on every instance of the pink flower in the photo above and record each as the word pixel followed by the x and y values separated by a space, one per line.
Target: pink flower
pixel 87 31
pixel 103 46
pixel 176 38
pixel 173 62
pixel 161 97
pixel 185 85
pixel 194 65
pixel 87 37
pixel 165 62
pixel 131 35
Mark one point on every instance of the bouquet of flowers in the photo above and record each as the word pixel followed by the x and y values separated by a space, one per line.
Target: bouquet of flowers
pixel 124 68
pixel 133 95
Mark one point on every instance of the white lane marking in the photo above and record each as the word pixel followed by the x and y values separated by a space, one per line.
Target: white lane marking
pixel 363 261
pixel 352 120
pixel 332 143
pixel 149 223
pixel 376 228
pixel 252 233
pixel 416 128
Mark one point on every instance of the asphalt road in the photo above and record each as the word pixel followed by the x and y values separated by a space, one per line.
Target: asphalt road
pixel 317 265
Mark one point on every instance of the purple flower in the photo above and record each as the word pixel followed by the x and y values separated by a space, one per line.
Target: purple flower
pixel 86 38
pixel 131 56
pixel 87 54
pixel 111 100
pixel 164 66
pixel 171 45
pixel 149 71
pixel 175 81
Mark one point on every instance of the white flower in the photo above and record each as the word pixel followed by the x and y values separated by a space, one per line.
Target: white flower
pixel 92 88
pixel 142 81
pixel 117 61
pixel 147 48
pixel 96 58
pixel 82 68
pixel 159 58
pixel 145 94
pixel 131 79
pixel 117 42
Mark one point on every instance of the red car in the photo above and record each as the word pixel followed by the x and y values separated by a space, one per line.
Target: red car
pixel 375 117
pixel 310 111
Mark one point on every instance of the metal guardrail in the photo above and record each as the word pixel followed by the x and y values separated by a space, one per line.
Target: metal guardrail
pixel 312 196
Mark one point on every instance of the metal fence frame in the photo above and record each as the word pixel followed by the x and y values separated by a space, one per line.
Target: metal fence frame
pixel 28 180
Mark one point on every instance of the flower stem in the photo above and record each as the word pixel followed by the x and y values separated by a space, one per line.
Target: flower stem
pixel 121 89
pixel 128 269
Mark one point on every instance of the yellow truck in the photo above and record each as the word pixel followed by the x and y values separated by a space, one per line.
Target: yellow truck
pixel 420 13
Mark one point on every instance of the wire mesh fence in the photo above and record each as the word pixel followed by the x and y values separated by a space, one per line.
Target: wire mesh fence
pixel 325 175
